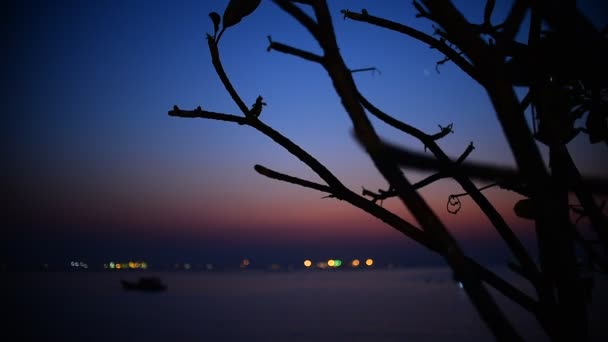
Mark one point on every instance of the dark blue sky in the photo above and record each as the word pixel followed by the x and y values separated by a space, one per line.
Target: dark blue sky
pixel 93 164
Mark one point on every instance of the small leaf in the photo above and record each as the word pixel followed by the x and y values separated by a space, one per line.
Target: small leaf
pixel 523 208
pixel 237 10
pixel 215 17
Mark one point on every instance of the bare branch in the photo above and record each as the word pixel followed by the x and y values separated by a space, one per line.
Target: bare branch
pixel 443 131
pixel 477 170
pixel 454 205
pixel 441 46
pixel 291 179
pixel 293 51
pixel 219 69
pixel 382 195
pixel 199 113
pixel 300 16
pixel 497 220
pixel 372 69
pixel 514 19
pixel 466 153
pixel 504 287
pixel 451 251
pixel 304 2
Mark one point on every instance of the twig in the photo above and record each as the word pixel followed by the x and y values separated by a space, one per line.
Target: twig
pixel 497 220
pixel 291 179
pixel 301 16
pixel 293 51
pixel 441 46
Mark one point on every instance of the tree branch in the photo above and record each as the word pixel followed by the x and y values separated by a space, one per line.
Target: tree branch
pixel 219 69
pixel 303 18
pixel 441 46
pixel 291 179
pixel 462 177
pixel 514 19
pixel 199 113
pixel 293 51
pixel 451 251
pixel 382 195
pixel 480 171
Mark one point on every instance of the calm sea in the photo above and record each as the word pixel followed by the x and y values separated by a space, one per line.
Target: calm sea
pixel 379 305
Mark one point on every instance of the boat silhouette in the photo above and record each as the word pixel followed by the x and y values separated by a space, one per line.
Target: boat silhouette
pixel 148 284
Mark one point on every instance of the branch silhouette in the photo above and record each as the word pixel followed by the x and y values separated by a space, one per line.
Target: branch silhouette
pixel 490 56
pixel 438 44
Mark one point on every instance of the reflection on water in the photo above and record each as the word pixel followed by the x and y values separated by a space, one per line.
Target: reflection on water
pixel 398 305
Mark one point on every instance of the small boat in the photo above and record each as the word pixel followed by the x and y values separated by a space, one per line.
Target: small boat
pixel 148 284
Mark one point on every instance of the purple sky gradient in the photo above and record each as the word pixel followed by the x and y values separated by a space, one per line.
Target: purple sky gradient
pixel 94 163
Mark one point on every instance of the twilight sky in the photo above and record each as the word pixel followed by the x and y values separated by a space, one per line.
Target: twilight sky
pixel 96 169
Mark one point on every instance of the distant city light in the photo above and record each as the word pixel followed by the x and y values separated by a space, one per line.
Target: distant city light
pixel 209 267
pixel 79 264
pixel 307 263
pixel 118 266
pixel 144 265
pixel 331 262
pixel 337 263
pixel 131 264
pixel 322 265
pixel 187 266
pixel 460 285
pixel 112 264
pixel 369 262
pixel 246 262
pixel 355 263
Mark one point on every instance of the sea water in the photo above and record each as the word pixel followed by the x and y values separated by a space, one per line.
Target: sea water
pixel 420 304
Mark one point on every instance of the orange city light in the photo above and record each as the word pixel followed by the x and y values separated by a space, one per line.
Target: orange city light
pixel 355 263
pixel 369 262
pixel 307 263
